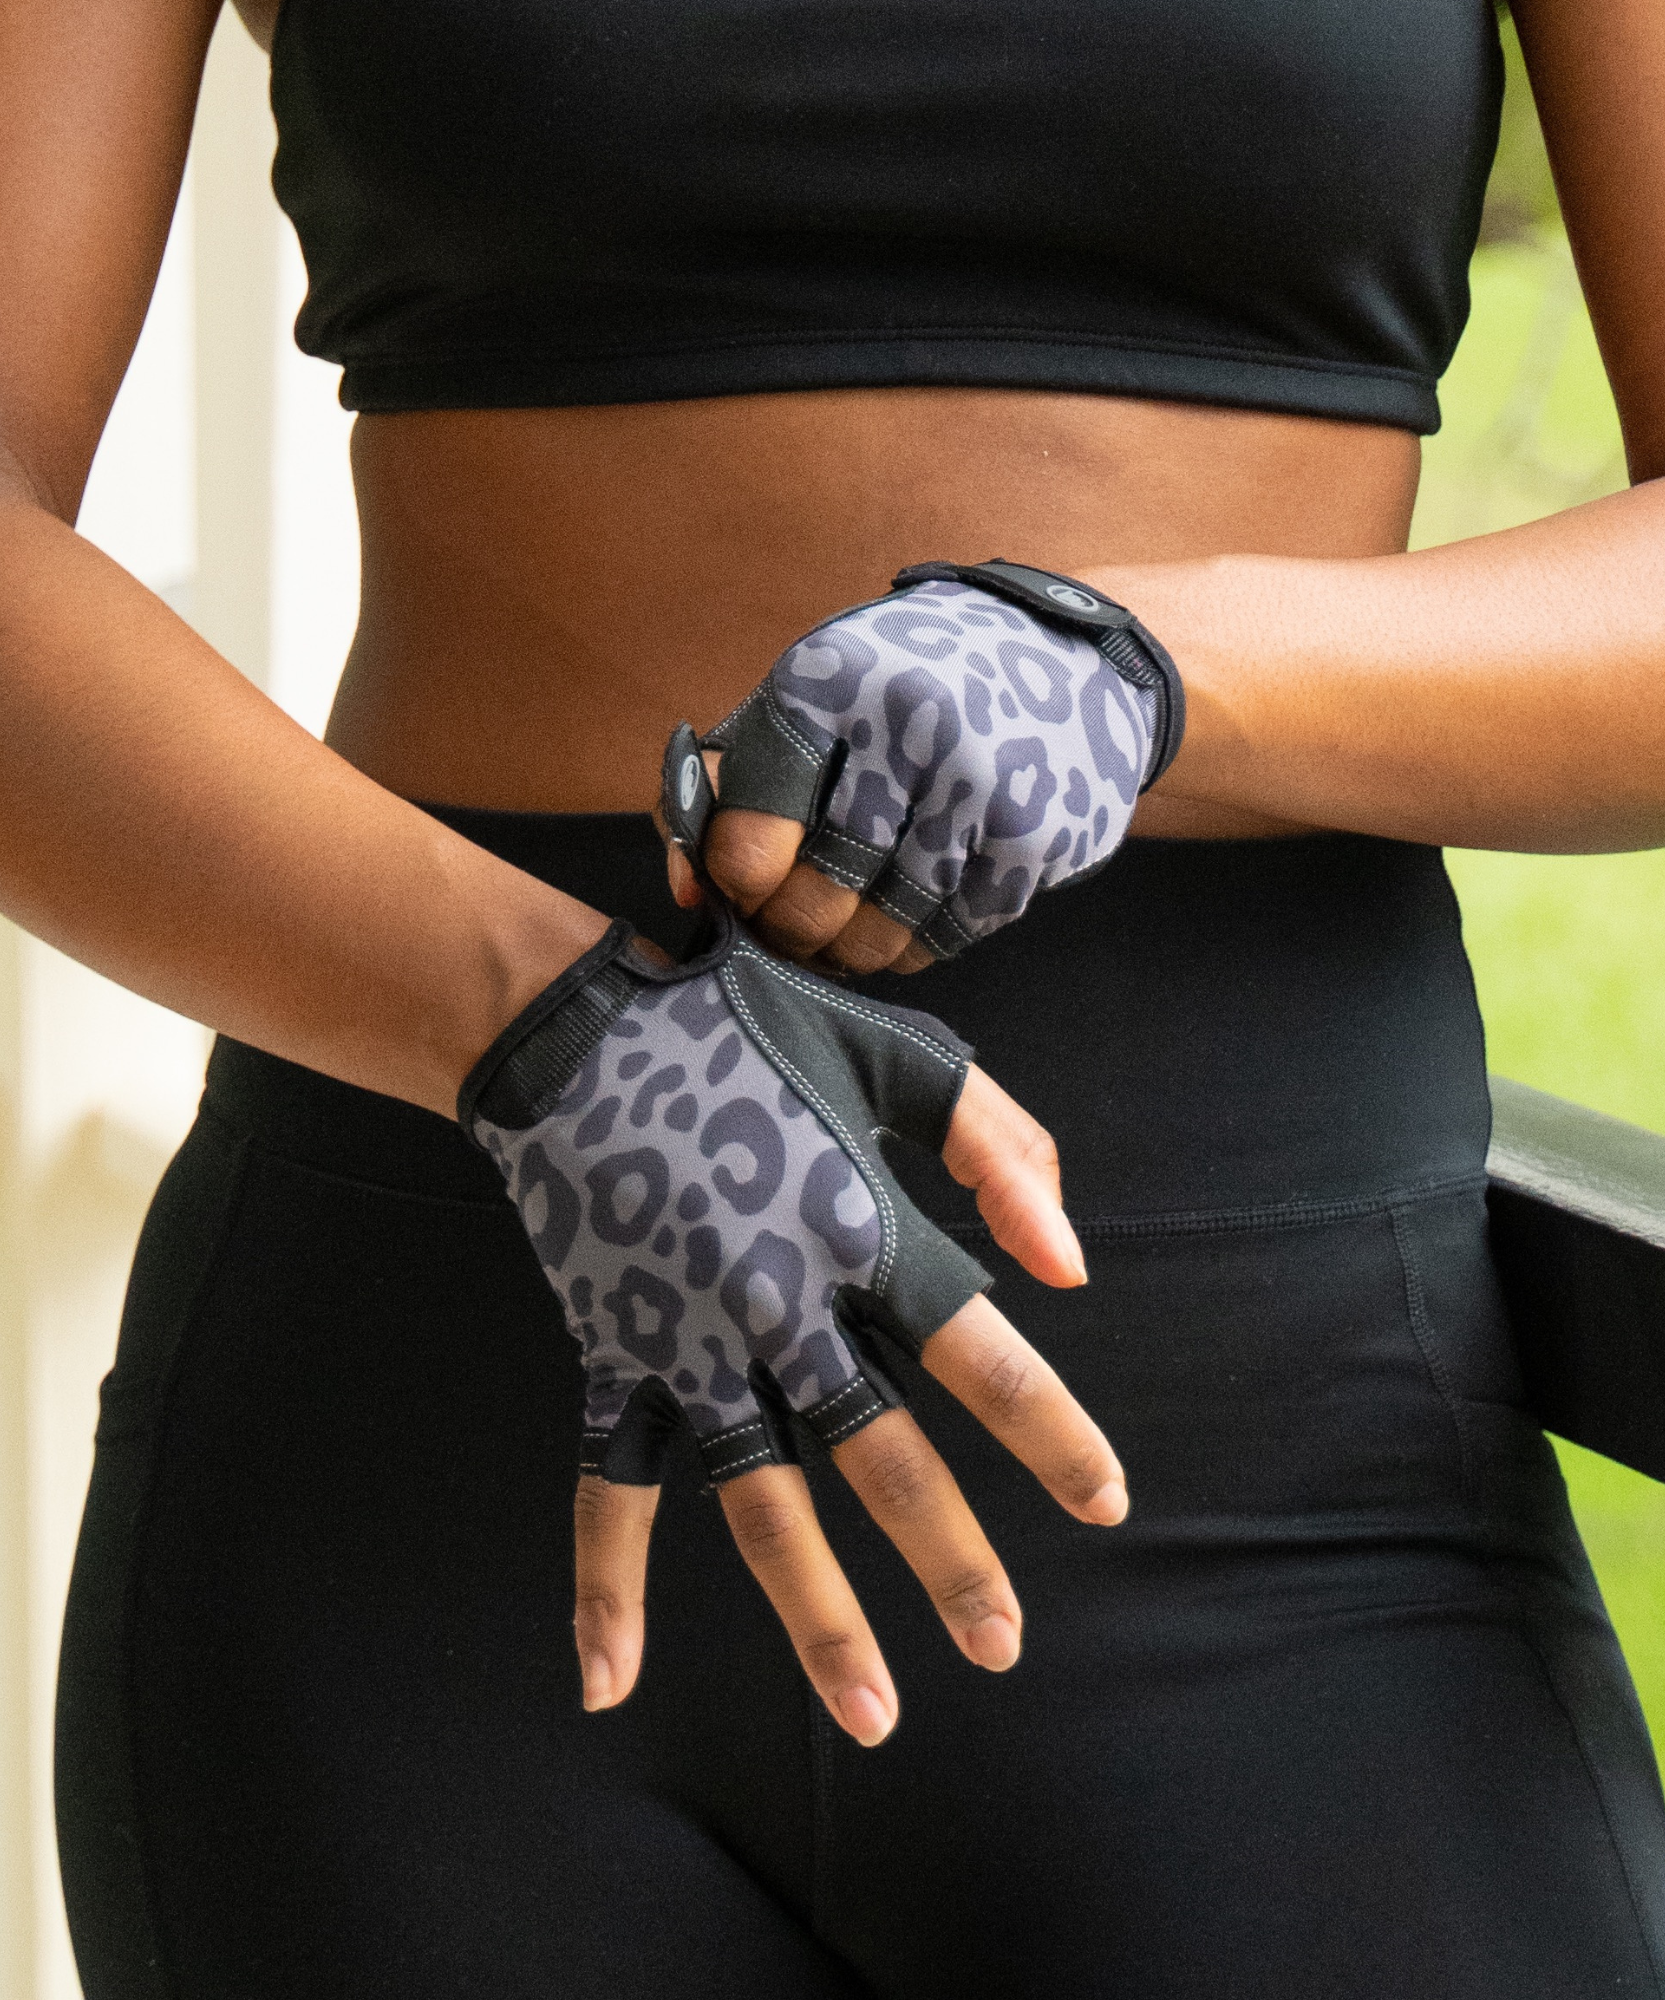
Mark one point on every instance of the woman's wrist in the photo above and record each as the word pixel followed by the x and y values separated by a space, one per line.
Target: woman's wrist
pixel 1201 613
pixel 528 935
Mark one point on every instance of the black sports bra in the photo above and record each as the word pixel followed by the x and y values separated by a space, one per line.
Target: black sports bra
pixel 511 203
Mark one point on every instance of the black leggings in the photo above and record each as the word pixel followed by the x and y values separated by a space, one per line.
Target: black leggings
pixel 1338 1712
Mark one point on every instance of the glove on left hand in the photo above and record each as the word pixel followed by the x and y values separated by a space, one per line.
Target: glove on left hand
pixel 978 735
pixel 693 1153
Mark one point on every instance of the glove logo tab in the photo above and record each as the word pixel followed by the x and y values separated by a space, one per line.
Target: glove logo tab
pixel 688 784
pixel 1068 594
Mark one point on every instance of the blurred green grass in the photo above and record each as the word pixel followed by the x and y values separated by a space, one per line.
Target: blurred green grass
pixel 1567 950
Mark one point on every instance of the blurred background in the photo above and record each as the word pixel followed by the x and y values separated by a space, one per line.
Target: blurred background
pixel 1569 953
pixel 222 483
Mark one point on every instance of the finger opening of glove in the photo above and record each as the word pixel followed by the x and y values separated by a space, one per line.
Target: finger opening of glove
pixel 825 1387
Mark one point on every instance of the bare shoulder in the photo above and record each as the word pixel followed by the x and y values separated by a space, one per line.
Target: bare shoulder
pixel 1598 74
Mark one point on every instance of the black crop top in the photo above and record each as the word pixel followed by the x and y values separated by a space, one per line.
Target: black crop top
pixel 511 203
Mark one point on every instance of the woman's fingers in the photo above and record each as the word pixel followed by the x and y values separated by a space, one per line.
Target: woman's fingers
pixel 612 1525
pixel 913 1496
pixel 685 887
pixel 869 942
pixel 995 1147
pixel 773 1522
pixel 981 1358
pixel 750 854
pixel 805 913
pixel 916 958
pixel 753 858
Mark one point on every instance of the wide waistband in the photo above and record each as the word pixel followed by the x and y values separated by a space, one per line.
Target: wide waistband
pixel 1208 1028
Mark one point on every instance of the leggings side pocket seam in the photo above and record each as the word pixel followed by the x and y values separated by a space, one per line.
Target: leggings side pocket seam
pixel 1416 1309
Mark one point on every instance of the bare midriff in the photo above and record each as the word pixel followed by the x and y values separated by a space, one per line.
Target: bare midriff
pixel 547 592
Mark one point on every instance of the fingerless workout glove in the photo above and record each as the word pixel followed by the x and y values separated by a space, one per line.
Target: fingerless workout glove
pixel 980 734
pixel 693 1153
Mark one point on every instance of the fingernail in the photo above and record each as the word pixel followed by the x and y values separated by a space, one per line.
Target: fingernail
pixel 1108 1505
pixel 993 1642
pixel 598 1680
pixel 865 1716
pixel 1069 1245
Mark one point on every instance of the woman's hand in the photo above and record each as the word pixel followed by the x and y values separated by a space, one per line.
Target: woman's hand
pixel 693 1152
pixel 911 772
pixel 996 1148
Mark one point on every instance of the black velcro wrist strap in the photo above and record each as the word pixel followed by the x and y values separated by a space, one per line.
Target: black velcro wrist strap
pixel 1136 654
pixel 532 1061
pixel 1141 658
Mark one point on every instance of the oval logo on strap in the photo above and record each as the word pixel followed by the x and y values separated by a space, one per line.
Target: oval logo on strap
pixel 688 788
pixel 1066 593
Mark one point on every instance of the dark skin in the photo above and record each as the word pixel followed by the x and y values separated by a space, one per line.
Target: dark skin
pixel 162 821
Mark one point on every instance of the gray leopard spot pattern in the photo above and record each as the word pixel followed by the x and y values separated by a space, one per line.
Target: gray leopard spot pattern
pixel 995 755
pixel 689 1249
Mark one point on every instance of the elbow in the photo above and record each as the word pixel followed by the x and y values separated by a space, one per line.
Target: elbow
pixel 25 484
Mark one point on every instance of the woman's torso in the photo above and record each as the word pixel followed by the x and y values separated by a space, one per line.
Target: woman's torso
pixel 546 593
pixel 612 538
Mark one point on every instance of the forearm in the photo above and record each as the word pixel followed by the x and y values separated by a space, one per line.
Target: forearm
pixel 164 822
pixel 1507 691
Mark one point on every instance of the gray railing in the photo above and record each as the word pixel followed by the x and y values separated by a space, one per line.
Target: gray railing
pixel 1578 1223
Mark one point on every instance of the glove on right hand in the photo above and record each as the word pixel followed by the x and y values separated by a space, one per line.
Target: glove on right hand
pixel 693 1153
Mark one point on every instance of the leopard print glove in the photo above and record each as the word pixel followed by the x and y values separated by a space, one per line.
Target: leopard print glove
pixel 693 1152
pixel 978 735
